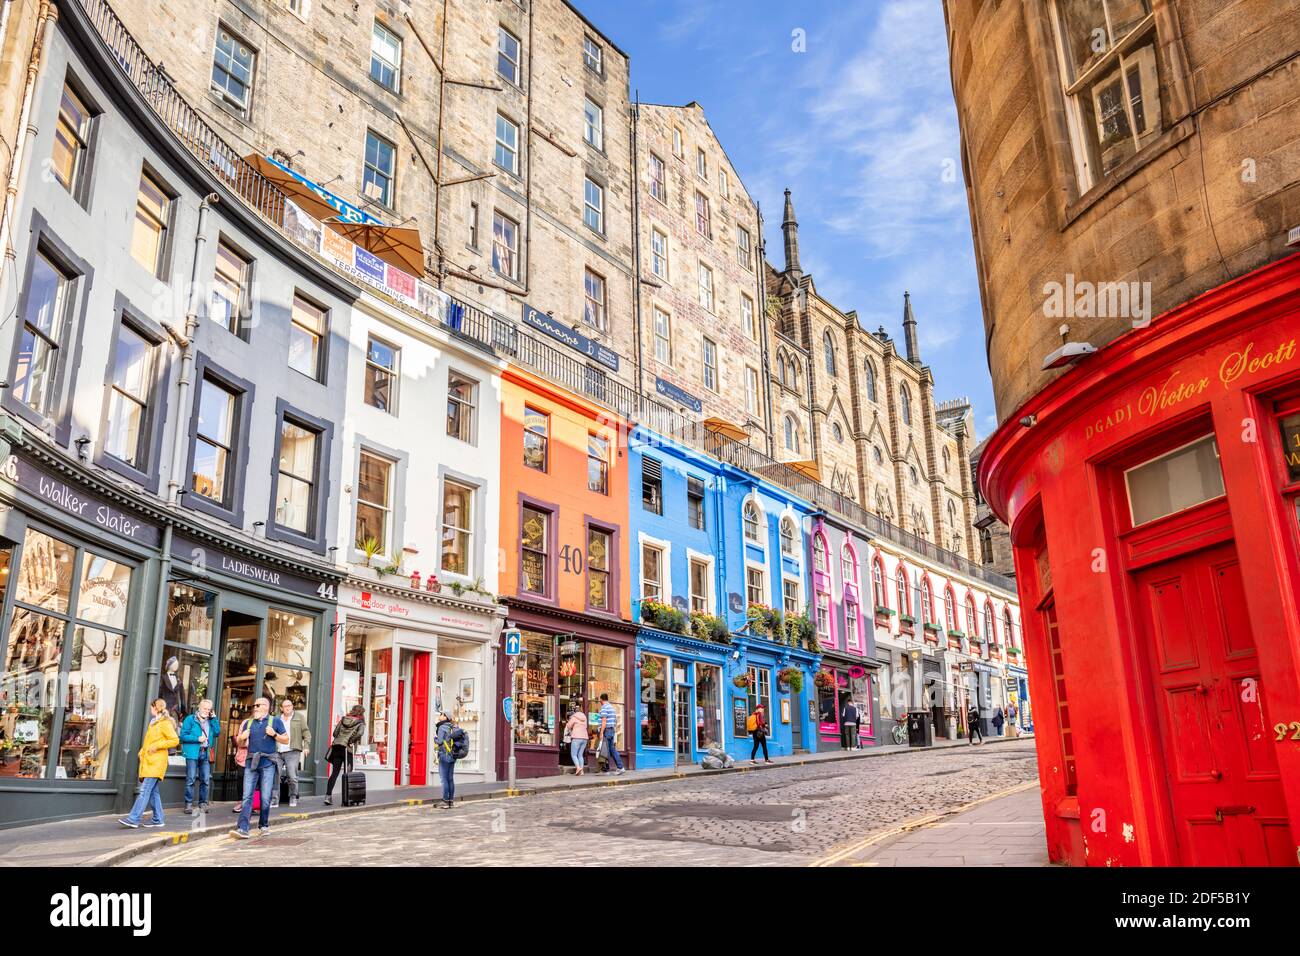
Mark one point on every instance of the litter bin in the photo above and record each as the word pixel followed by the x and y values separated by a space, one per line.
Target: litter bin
pixel 919 731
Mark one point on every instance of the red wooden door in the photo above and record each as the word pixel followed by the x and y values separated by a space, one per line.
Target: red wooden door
pixel 420 720
pixel 1224 785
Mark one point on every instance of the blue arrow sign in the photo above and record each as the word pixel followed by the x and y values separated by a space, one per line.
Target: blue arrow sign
pixel 513 640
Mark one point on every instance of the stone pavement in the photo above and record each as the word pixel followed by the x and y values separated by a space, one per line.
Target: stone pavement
pixel 99 841
pixel 794 813
pixel 1004 831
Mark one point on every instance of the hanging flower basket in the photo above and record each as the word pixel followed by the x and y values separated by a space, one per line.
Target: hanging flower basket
pixel 824 680
pixel 791 676
pixel 741 681
pixel 650 668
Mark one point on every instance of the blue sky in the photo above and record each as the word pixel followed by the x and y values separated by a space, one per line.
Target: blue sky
pixel 861 127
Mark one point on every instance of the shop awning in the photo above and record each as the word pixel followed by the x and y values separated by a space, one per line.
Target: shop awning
pixel 806 467
pixel 399 246
pixel 312 199
pixel 720 426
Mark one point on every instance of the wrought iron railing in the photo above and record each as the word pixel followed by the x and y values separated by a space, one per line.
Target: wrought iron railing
pixel 492 333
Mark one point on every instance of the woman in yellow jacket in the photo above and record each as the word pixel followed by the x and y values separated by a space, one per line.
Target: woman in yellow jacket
pixel 158 739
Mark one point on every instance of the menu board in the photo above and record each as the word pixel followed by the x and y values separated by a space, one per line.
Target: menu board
pixel 739 714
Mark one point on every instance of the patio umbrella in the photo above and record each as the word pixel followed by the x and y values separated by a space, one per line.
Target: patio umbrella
pixel 399 246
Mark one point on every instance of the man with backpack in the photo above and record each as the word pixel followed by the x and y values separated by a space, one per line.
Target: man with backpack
pixel 452 744
pixel 260 734
pixel 756 724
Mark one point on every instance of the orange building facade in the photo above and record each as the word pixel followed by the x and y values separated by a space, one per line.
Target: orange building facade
pixel 564 510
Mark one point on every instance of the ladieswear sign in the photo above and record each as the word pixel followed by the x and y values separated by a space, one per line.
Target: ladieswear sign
pixel 63 497
pixel 573 339
pixel 207 558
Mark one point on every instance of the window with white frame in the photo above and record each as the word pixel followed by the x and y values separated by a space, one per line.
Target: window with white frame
pixel 232 68
pixel 507 144
pixel 307 328
pixel 744 248
pixel 230 293
pixel 457 526
pixel 45 315
pixel 652 572
pixel 593 124
pixel 724 183
pixel 149 233
pixel 1107 54
pixel 848 565
pixel 823 615
pixel 747 317
pixel 379 170
pixel 130 390
pixel 971 629
pixel 705 280
pixel 703 218
pixel 789 596
pixel 381 375
pixel 658 179
pixel 295 481
pixel 751 520
pixel 990 632
pixel 851 622
pixel 597 464
pixel 659 253
pixel 900 588
pixel 819 553
pixel 663 336
pixel 216 442
pixel 385 57
pixel 593 290
pixel 593 206
pixel 505 246
pixel 699 586
pixel 593 56
pixel 751 390
pixel 71 141
pixel 789 537
pixel 507 55
pixel 949 610
pixel 878 584
pixel 791 434
pixel 755 585
pixel 374 502
pixel 709 357
pixel 927 603
pixel 701 164
pixel 462 397
pixel 677 142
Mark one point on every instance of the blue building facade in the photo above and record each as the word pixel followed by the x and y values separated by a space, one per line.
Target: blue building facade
pixel 707 543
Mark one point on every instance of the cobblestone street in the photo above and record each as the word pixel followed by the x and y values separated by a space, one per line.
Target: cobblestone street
pixel 786 816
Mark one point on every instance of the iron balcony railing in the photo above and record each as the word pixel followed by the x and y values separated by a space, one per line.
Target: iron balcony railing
pixel 491 333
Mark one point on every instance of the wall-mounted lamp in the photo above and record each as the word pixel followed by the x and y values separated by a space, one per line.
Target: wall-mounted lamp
pixel 83 445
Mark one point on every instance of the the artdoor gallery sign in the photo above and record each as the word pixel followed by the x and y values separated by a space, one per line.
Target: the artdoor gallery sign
pixel 543 323
pixel 80 504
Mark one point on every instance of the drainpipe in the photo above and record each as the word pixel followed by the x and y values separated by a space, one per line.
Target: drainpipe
pixel 186 344
pixel 759 269
pixel 636 253
pixel 45 21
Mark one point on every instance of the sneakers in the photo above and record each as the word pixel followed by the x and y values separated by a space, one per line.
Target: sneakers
pixel 153 823
pixel 242 834
pixel 293 801
pixel 189 809
pixel 128 824
pixel 274 804
pixel 235 808
pixel 754 762
pixel 263 831
pixel 447 804
pixel 767 761
pixel 329 801
pixel 620 771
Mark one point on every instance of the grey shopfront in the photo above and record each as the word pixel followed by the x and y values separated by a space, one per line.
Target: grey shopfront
pixel 98 590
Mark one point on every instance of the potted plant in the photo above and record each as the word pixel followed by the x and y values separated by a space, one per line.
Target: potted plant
pixel 791 676
pixel 371 547
pixel 709 627
pixel 802 628
pixel 663 616
pixel 741 680
pixel 824 680
pixel 649 667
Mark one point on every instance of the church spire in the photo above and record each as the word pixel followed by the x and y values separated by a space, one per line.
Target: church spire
pixel 909 331
pixel 790 230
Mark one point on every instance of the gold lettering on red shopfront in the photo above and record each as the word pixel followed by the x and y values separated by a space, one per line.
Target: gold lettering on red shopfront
pixel 1157 398
pixel 1241 363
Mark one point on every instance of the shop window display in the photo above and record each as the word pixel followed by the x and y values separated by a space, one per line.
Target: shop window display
pixel 605 676
pixel 459 690
pixel 654 701
pixel 708 706
pixel 367 669
pixel 65 639
pixel 534 690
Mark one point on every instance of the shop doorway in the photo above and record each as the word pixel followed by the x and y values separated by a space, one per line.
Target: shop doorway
pixel 1224 788
pixel 683 711
pixel 240 636
pixel 414 668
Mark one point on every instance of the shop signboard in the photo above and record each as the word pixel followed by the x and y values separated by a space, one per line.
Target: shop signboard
pixel 679 395
pixel 80 504
pixel 204 557
pixel 548 326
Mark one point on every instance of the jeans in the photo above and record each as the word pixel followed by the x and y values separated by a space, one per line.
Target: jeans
pixel 612 750
pixel 850 736
pixel 289 761
pixel 199 767
pixel 338 758
pixel 447 774
pixel 263 779
pixel 760 740
pixel 150 797
pixel 578 751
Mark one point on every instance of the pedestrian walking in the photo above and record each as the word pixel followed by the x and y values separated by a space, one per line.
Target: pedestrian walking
pixel 452 744
pixel 849 720
pixel 347 734
pixel 973 724
pixel 260 733
pixel 159 737
pixel 998 720
pixel 608 729
pixel 293 752
pixel 756 724
pixel 576 735
pixel 199 732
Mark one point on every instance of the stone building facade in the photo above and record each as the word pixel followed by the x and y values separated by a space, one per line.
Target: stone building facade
pixel 700 299
pixel 523 118
pixel 847 398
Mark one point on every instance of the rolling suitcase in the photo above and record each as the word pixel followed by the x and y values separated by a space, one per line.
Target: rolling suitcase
pixel 354 786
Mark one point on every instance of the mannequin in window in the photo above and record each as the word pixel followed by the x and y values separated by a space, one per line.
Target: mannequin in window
pixel 172 689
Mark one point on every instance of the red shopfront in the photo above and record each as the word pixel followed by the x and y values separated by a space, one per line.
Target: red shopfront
pixel 1154 502
pixel 567 661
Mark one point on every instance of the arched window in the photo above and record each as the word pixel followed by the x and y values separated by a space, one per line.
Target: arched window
pixel 986 546
pixel 912 473
pixel 788 537
pixel 947 462
pixel 926 603
pixel 791 434
pixel 905 400
pixel 900 585
pixel 878 454
pixel 878 583
pixel 952 514
pixel 848 565
pixel 1007 634
pixel 819 553
pixel 780 369
pixel 870 369
pixel 836 431
pixel 750 514
pixel 971 629
pixel 990 632
pixel 828 347
pixel 950 608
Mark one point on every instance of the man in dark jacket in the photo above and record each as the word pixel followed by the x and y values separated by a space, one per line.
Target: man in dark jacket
pixel 973 724
pixel 445 747
pixel 347 734
pixel 849 720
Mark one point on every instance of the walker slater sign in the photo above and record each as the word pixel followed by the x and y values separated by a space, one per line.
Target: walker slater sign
pixel 80 504
pixel 206 557
pixel 573 339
